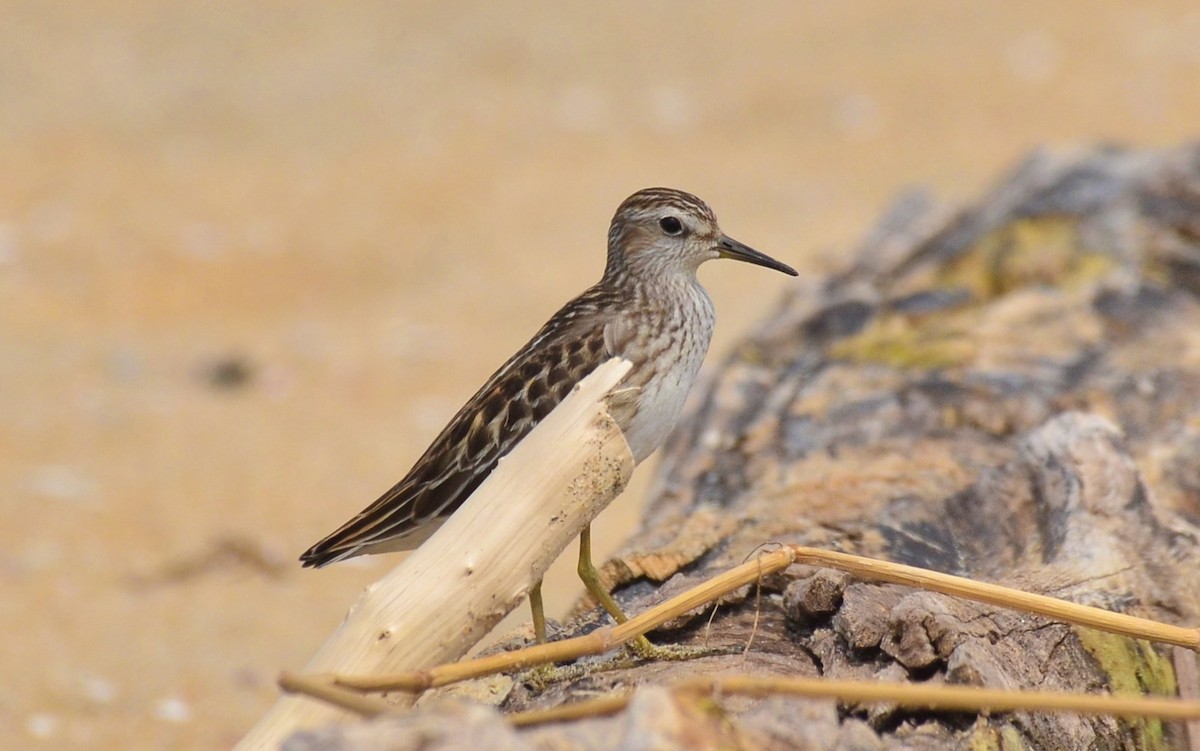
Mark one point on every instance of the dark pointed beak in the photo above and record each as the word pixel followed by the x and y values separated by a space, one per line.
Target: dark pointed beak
pixel 730 248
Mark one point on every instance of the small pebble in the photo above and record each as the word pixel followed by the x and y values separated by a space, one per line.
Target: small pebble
pixel 60 482
pixel 228 373
pixel 173 709
pixel 43 725
pixel 99 691
pixel 1034 57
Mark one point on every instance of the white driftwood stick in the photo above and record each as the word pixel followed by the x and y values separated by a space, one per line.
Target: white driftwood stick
pixel 461 582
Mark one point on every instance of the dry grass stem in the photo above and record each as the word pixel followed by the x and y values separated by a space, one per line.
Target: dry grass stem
pixel 914 696
pixel 605 705
pixel 952 698
pixel 323 687
pixel 994 594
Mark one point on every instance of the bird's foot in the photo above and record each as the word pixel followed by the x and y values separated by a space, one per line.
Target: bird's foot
pixel 646 651
pixel 542 677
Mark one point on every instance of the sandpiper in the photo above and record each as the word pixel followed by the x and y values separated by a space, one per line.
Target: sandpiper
pixel 648 308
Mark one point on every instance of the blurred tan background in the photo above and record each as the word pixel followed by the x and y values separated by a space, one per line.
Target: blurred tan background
pixel 253 255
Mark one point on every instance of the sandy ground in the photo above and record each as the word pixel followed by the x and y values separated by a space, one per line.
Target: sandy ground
pixel 252 256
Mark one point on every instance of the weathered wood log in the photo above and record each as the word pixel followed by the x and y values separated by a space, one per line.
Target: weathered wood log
pixel 441 600
pixel 1009 392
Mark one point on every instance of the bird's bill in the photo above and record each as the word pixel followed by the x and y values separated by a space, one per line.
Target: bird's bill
pixel 730 248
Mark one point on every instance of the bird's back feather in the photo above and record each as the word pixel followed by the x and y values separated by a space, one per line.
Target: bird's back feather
pixel 515 399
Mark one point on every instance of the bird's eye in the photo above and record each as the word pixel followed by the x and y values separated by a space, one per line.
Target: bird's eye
pixel 671 225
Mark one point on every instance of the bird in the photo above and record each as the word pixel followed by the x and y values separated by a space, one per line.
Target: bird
pixel 648 308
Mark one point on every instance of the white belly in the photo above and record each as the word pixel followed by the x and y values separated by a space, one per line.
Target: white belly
pixel 664 392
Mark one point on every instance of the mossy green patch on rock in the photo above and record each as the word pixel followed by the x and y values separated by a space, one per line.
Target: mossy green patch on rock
pixel 904 342
pixel 1043 251
pixel 992 738
pixel 1133 667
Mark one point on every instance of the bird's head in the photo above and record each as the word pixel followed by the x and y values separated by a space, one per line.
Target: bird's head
pixel 661 231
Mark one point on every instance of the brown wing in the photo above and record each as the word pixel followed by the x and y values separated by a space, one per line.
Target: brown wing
pixel 518 396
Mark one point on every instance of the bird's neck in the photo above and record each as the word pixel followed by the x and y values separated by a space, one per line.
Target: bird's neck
pixel 649 280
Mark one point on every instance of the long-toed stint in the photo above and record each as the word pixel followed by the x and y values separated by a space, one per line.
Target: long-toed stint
pixel 648 308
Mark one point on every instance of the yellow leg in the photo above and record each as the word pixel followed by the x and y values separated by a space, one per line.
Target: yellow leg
pixel 591 580
pixel 539 613
pixel 545 674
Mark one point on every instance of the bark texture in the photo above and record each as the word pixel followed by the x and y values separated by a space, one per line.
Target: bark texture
pixel 1009 392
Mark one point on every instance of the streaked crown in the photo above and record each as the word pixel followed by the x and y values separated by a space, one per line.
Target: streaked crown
pixel 662 232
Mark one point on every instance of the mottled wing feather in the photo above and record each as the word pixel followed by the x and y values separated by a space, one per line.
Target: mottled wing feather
pixel 518 396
